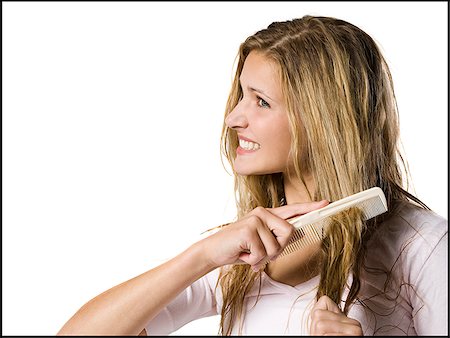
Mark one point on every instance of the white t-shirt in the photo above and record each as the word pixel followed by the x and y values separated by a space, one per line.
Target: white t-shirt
pixel 412 245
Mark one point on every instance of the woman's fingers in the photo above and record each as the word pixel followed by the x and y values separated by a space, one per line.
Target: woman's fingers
pixel 271 243
pixel 326 303
pixel 328 319
pixel 259 243
pixel 253 254
pixel 336 328
pixel 256 238
pixel 275 230
pixel 291 210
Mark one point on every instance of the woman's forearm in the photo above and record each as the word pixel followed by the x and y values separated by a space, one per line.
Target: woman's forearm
pixel 126 308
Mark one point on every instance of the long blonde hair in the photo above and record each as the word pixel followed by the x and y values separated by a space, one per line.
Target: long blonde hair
pixel 343 116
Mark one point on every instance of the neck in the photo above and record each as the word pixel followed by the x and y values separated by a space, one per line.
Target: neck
pixel 297 267
pixel 296 191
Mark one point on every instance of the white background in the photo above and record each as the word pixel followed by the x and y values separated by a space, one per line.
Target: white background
pixel 112 114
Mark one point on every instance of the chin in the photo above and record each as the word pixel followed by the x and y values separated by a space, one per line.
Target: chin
pixel 242 172
pixel 253 171
pixel 246 167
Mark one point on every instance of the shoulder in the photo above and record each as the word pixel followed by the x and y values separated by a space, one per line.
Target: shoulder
pixel 410 220
pixel 417 215
pixel 404 275
pixel 407 220
pixel 409 236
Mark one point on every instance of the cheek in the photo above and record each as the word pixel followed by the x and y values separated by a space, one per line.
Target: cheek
pixel 280 137
pixel 281 146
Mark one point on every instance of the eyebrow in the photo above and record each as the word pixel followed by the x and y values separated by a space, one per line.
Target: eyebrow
pixel 257 90
pixel 260 91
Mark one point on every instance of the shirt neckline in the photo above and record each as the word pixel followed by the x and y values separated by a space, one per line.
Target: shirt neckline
pixel 306 286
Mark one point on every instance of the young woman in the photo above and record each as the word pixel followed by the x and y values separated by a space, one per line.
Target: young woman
pixel 311 118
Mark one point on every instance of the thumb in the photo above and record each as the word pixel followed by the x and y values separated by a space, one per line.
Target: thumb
pixel 325 303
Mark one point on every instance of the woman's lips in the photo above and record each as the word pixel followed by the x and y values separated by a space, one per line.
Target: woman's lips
pixel 247 146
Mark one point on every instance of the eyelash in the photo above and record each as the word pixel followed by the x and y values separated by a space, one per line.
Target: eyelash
pixel 264 102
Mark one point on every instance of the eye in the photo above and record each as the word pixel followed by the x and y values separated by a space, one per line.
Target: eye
pixel 262 103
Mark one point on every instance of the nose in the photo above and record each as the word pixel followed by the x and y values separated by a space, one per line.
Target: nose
pixel 237 119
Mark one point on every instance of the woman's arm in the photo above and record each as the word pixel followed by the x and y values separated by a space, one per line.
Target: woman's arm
pixel 126 308
pixel 429 291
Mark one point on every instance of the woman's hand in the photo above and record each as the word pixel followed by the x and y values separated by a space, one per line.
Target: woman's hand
pixel 256 238
pixel 328 320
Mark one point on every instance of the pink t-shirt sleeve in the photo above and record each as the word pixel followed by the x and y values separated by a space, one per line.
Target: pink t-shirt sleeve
pixel 430 301
pixel 195 302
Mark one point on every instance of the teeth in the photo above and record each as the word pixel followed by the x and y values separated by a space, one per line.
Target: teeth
pixel 247 145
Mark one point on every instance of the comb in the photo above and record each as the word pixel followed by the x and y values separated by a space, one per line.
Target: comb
pixel 310 228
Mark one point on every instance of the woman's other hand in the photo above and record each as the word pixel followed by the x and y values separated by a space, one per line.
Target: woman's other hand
pixel 256 238
pixel 328 320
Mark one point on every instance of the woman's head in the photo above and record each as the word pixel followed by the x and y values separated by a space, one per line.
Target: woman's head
pixel 335 90
pixel 314 96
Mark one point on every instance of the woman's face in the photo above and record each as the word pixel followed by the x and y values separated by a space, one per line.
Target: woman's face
pixel 260 120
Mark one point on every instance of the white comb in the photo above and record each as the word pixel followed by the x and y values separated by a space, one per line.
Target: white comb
pixel 310 227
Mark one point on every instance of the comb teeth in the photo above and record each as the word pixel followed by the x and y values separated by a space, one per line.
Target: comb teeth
pixel 371 207
pixel 313 232
pixel 306 235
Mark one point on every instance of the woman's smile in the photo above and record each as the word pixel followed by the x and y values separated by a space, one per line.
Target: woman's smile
pixel 247 146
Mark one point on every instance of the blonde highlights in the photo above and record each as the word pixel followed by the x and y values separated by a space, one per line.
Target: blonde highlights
pixel 342 110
